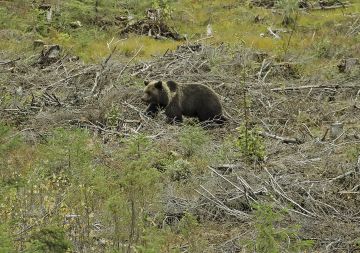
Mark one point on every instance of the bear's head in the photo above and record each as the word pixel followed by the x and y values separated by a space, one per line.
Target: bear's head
pixel 155 93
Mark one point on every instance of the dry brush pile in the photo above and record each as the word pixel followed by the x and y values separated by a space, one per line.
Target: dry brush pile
pixel 308 169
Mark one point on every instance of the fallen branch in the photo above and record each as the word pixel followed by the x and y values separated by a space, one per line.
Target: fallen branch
pixel 68 78
pixel 331 7
pixel 349 192
pixel 276 36
pixel 9 62
pixel 127 64
pixel 342 176
pixel 280 138
pixel 324 136
pixel 276 187
pixel 147 66
pixel 202 39
pixel 316 87
pixel 246 186
pixel 103 68
pixel 221 205
pixel 227 168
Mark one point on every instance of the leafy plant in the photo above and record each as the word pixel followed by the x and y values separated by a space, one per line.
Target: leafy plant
pixel 135 6
pixel 39 23
pixel 153 240
pixel 227 152
pixel 67 150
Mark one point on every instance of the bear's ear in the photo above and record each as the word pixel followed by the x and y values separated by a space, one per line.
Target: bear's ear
pixel 158 85
pixel 172 86
pixel 146 82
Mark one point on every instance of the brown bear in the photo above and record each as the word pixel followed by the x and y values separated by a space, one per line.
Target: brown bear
pixel 193 100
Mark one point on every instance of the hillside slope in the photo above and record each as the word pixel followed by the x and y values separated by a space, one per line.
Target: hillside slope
pixel 82 169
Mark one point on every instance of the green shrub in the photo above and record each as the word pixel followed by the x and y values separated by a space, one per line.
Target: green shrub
pixel 164 6
pixel 227 152
pixel 66 150
pixel 323 49
pixel 136 6
pixel 8 140
pixel 353 152
pixel 179 170
pixel 187 225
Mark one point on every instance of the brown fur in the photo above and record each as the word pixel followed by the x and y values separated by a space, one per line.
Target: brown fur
pixel 193 100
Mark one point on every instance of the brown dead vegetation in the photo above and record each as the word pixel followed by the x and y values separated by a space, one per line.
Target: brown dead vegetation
pixel 153 25
pixel 305 4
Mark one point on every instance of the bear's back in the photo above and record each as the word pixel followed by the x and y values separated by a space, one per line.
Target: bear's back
pixel 198 100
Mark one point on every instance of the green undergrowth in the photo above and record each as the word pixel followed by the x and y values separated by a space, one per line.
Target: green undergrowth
pixel 71 192
pixel 53 193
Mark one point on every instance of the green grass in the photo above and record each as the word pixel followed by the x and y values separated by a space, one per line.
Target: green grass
pixel 232 23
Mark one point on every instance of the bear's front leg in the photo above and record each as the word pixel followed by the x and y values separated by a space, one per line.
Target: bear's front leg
pixel 174 120
pixel 173 115
pixel 152 110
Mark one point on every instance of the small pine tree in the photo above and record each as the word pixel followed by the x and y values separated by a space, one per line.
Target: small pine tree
pixel 48 239
pixel 193 140
pixel 273 239
pixel 251 144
